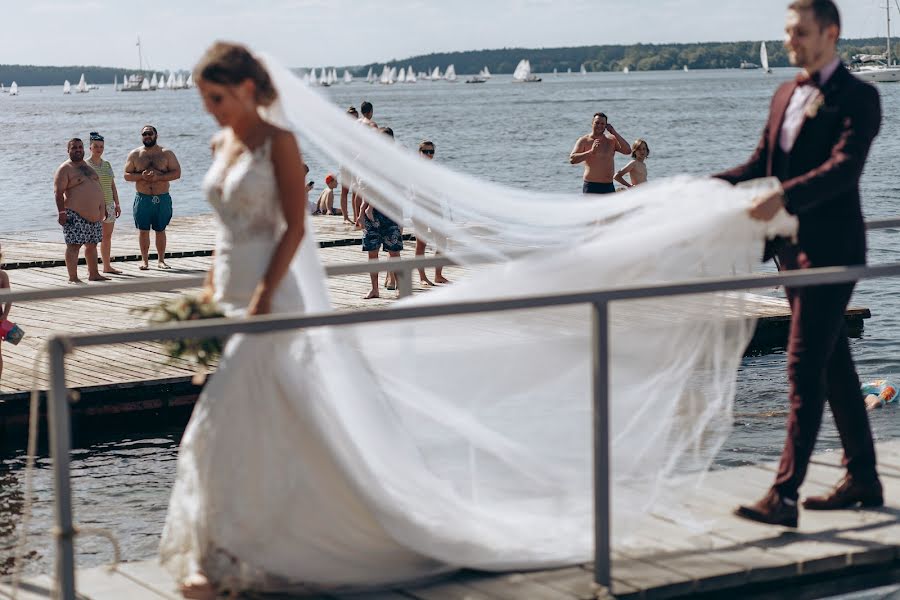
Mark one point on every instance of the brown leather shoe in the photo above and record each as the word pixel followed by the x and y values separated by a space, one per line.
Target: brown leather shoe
pixel 772 510
pixel 846 494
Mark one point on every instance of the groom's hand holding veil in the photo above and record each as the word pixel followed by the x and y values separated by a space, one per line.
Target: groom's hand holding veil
pixel 767 205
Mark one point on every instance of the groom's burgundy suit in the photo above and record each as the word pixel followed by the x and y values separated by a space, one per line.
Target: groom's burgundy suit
pixel 820 175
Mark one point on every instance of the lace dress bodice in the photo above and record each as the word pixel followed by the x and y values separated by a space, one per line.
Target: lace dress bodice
pixel 244 195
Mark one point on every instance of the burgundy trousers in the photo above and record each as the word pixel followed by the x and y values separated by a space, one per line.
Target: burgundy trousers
pixel 820 366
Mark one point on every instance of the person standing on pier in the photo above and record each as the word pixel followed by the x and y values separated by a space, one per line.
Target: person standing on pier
pixel 152 167
pixel 597 150
pixel 816 141
pixel 81 210
pixel 110 196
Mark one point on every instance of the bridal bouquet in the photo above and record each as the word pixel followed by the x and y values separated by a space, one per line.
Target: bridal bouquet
pixel 201 352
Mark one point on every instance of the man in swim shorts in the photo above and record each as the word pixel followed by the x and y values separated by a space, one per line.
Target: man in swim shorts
pixel 81 209
pixel 152 167
pixel 597 150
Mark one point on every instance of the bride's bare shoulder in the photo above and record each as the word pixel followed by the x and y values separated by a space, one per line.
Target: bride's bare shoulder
pixel 283 139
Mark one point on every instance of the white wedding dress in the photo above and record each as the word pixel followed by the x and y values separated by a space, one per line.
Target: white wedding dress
pixel 353 457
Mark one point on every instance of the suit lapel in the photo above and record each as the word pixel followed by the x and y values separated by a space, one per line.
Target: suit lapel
pixel 779 108
pixel 827 91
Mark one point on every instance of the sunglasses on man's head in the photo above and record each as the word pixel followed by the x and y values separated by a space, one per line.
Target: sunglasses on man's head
pixel 429 152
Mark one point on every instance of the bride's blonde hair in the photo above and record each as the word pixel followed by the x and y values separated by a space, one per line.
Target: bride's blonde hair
pixel 227 63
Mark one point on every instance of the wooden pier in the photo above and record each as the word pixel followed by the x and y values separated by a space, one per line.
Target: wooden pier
pixel 830 553
pixel 140 377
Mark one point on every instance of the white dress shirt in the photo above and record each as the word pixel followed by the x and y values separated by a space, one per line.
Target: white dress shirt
pixel 796 109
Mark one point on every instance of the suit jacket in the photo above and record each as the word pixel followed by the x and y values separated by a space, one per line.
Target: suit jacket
pixel 820 175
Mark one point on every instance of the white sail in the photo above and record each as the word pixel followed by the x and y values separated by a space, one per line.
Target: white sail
pixel 179 81
pixel 385 74
pixel 485 73
pixel 583 70
pixel 2 88
pixel 450 75
pixel 626 70
pixel 67 87
pixel 13 89
pixel 145 85
pixel 555 72
pixel 569 71
pixel 82 87
pixel 313 78
pixel 523 70
pixel 348 78
pixel 401 76
pixel 334 75
pixel 332 78
pixel 392 75
pixel 115 83
pixel 686 69
pixel 161 85
pixel 190 81
pixel 764 57
pixel 154 82
pixel 436 74
pixel 410 75
pixel 323 77
pixel 170 82
pixel 370 78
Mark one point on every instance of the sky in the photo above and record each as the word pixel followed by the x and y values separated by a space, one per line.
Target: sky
pixel 307 33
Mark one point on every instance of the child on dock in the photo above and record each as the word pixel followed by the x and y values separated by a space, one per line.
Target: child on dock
pixel 636 168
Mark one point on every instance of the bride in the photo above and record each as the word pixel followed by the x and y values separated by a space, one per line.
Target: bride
pixel 318 460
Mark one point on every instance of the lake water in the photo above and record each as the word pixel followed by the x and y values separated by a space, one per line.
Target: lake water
pixel 518 135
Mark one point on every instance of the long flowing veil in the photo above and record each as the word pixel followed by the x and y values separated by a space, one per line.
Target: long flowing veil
pixel 470 437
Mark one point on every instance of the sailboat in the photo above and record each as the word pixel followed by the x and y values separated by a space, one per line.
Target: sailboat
pixel 170 81
pixel 323 78
pixel 436 74
pixel 522 74
pixel 189 83
pixel 115 83
pixel 877 67
pixel 401 76
pixel 162 83
pixel 145 84
pixel 569 71
pixel 555 72
pixel 410 75
pixel 764 58
pixel 179 81
pixel 3 89
pixel 82 87
pixel 485 73
pixel 67 87
pixel 13 89
pixel 370 78
pixel 626 70
pixel 583 70
pixel 450 74
pixel 686 69
pixel 348 78
pixel 154 82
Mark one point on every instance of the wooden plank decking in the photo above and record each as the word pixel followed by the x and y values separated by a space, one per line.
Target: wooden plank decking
pixel 140 376
pixel 829 553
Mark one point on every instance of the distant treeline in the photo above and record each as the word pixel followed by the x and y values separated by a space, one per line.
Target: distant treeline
pixel 637 57
pixel 34 75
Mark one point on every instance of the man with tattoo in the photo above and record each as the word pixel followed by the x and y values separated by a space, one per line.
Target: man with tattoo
pixel 151 167
pixel 81 210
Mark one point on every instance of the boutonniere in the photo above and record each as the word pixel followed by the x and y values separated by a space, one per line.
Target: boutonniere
pixel 813 106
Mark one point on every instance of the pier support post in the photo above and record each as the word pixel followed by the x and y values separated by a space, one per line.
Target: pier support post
pixel 602 492
pixel 404 283
pixel 60 448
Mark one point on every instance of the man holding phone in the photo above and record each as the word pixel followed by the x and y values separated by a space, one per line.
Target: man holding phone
pixel 597 150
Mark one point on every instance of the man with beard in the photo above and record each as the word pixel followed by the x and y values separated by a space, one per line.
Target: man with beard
pixel 151 167
pixel 597 150
pixel 81 210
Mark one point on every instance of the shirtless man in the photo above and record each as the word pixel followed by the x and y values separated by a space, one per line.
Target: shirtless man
pixel 597 151
pixel 151 167
pixel 367 110
pixel 82 208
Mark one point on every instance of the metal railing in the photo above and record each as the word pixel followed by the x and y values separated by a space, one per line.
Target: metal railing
pixel 60 345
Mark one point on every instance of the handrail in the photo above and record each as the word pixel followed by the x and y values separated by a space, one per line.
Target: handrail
pixel 60 345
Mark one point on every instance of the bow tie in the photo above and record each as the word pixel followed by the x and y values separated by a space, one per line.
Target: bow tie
pixel 803 78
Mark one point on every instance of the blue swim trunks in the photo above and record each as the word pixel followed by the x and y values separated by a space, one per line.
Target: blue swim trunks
pixel 382 232
pixel 152 212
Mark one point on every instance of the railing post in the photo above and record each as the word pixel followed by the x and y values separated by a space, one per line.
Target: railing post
pixel 404 282
pixel 60 448
pixel 602 495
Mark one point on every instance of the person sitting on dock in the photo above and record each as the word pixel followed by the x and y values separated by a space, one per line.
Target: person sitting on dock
pixel 325 203
pixel 81 209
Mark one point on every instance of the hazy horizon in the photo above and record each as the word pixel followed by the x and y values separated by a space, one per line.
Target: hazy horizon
pixel 308 33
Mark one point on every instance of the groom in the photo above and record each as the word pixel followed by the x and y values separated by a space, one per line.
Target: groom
pixel 815 142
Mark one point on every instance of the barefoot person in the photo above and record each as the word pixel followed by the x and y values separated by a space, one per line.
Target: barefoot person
pixel 636 169
pixel 110 196
pixel 81 210
pixel 367 111
pixel 597 150
pixel 816 141
pixel 152 167
pixel 426 149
